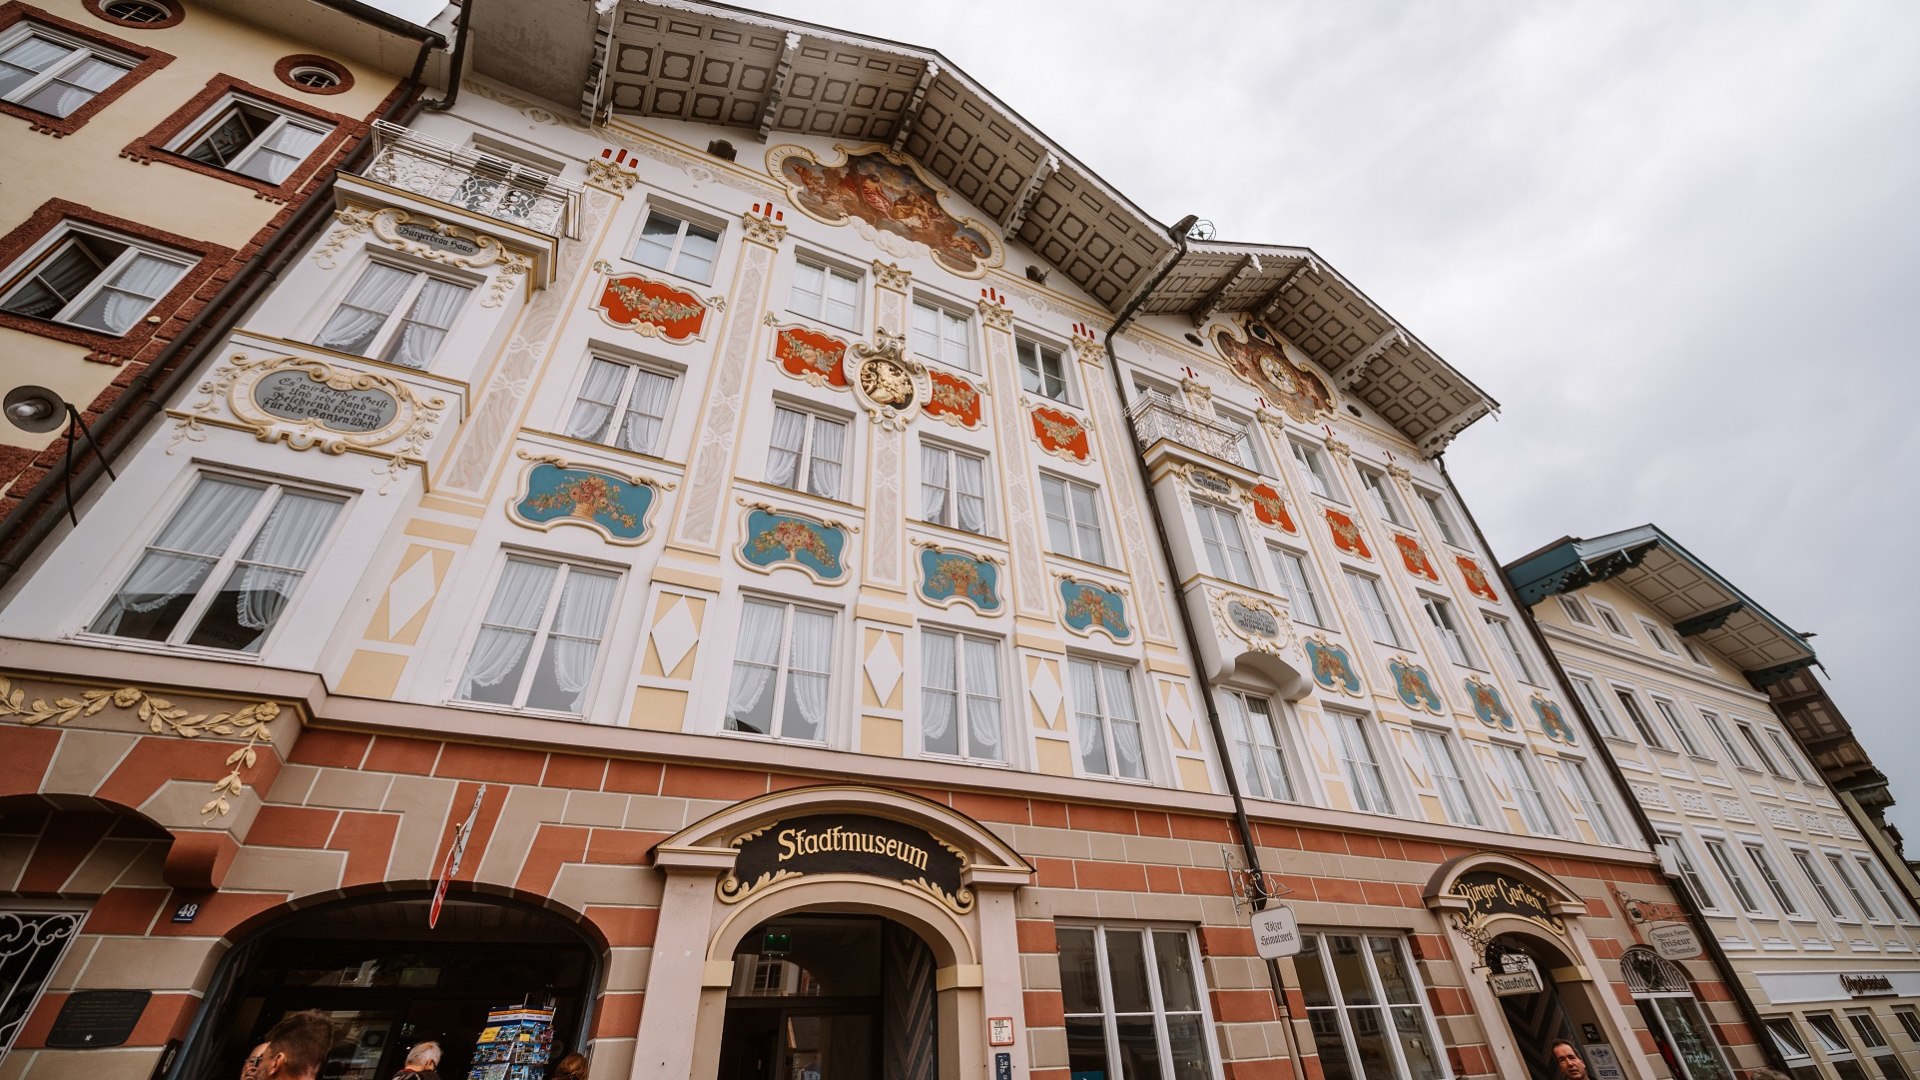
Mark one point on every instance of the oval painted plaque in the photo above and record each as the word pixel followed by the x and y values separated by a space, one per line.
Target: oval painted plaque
pixel 1253 620
pixel 296 395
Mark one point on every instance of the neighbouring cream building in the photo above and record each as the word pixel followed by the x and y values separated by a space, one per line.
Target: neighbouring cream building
pixel 829 587
pixel 1673 665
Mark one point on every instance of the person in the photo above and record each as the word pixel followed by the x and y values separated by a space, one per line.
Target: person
pixel 1567 1060
pixel 251 1070
pixel 296 1047
pixel 423 1062
pixel 571 1067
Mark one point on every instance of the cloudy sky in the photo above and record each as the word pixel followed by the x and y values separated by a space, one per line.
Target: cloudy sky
pixel 1674 240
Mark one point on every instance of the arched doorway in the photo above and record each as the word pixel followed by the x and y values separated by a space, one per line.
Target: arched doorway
pixel 389 981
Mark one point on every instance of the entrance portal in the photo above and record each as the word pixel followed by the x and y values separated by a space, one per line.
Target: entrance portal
pixel 1537 1020
pixel 830 997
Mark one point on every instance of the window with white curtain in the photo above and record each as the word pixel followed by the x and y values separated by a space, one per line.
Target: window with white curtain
pixel 1106 720
pixel 250 137
pixel 1810 869
pixel 1386 502
pixel 623 405
pixel 1373 608
pixel 50 72
pixel 953 488
pixel 1681 730
pixel 1224 542
pixel 1367 1008
pixel 1041 370
pixel 672 243
pixel 1526 791
pixel 1073 519
pixel 1510 648
pixel 396 315
pixel 1459 647
pixel 1590 697
pixel 960 695
pixel 941 335
pixel 1736 880
pixel 1437 748
pixel 224 567
pixel 1135 1006
pixel 1319 473
pixel 1297 584
pixel 1589 798
pixel 806 452
pixel 1442 515
pixel 540 636
pixel 824 292
pixel 1258 756
pixel 782 671
pixel 89 277
pixel 1762 862
pixel 1360 759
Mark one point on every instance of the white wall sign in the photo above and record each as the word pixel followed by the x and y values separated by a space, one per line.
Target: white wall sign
pixel 1603 1064
pixel 1677 942
pixel 1275 932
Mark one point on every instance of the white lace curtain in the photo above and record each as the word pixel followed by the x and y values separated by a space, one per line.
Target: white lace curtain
pixel 131 294
pixel 365 310
pixel 1126 725
pixel 933 483
pixel 970 492
pixel 278 558
pixel 426 324
pixel 807 677
pixel 577 628
pixel 829 439
pixel 983 699
pixel 783 448
pixel 506 633
pixel 937 700
pixel 179 558
pixel 756 655
pixel 281 153
pixel 646 410
pixel 1086 699
pixel 594 409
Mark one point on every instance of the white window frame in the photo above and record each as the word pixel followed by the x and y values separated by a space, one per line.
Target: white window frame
pixel 1386 502
pixel 1444 523
pixel 1770 876
pixel 621 405
pixel 1318 471
pixel 1786 747
pixel 1453 637
pixel 216 114
pixel 85 50
pixel 1074 526
pixel 1292 586
pixel 1589 798
pixel 782 671
pixel 1379 614
pixel 965 696
pixel 1809 862
pixel 1510 648
pixel 24 269
pixel 1247 447
pixel 1156 995
pixel 1836 1049
pixel 1253 724
pixel 1718 727
pixel 1359 752
pixel 1588 692
pixel 951 504
pixel 1611 620
pixel 684 221
pixel 1038 372
pixel 1751 732
pixel 1224 542
pixel 1669 710
pixel 1793 1049
pixel 543 632
pixel 1102 711
pixel 1897 909
pixel 822 310
pixel 946 317
pixel 1449 778
pixel 1576 611
pixel 1745 896
pixel 1382 1008
pixel 1691 877
pixel 1658 637
pixel 385 341
pixel 1909 1021
pixel 1693 653
pixel 1637 716
pixel 1528 796
pixel 803 465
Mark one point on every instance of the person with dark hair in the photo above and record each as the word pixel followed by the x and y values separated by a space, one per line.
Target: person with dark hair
pixel 571 1067
pixel 1567 1059
pixel 296 1047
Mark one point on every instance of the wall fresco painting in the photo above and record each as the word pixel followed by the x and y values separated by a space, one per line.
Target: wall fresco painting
pixel 1331 666
pixel 1270 507
pixel 1087 607
pixel 1553 722
pixel 651 308
pixel 947 576
pixel 1260 361
pixel 886 191
pixel 1347 536
pixel 953 400
pixel 1414 557
pixel 615 506
pixel 775 538
pixel 1061 434
pixel 1488 706
pixel 808 354
pixel 1415 686
pixel 1476 578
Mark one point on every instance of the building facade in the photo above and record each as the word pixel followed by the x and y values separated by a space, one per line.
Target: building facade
pixel 732 537
pixel 1675 666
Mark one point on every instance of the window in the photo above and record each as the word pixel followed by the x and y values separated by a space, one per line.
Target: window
pixel 1659 639
pixel 1724 738
pixel 1590 804
pixel 1680 1031
pixel 1296 584
pixel 1380 493
pixel 1694 654
pixel 1509 646
pixel 1261 763
pixel 555 612
pixel 960 695
pixel 399 316
pixel 1612 621
pixel 941 335
pixel 1681 731
pixel 1703 895
pixel 1245 451
pixel 1770 876
pixel 313 77
pixel 1730 870
pixel 623 405
pixel 1576 611
pixel 1811 870
pixel 1877 878
pixel 1440 613
pixel 1362 763
pixel 1638 718
pixel 1877 1045
pixel 1442 515
pixel 36 942
pixel 1787 755
pixel 1225 543
pixel 1793 1049
pixel 1753 740
pixel 1073 519
pixel 826 293
pixel 806 452
pixel 1909 1022
pixel 953 488
pixel 1590 698
pixel 1826 1030
pixel 677 246
pixel 1105 721
pixel 252 138
pixel 1313 462
pixel 255 540
pixel 1135 1008
pixel 137 12
pixel 1373 608
pixel 1367 1008
pixel 48 72
pixel 781 671
pixel 93 279
pixel 1526 792
pixel 1437 749
pixel 1041 370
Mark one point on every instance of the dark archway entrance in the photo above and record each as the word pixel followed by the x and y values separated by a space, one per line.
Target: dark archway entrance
pixel 1536 1019
pixel 830 997
pixel 388 982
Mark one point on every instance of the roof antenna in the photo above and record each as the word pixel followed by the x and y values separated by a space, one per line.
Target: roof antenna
pixel 38 410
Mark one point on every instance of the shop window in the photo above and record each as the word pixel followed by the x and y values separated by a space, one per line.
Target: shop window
pixel 539 641
pixel 1367 1008
pixel 34 943
pixel 1576 611
pixel 1444 766
pixel 1447 625
pixel 1589 797
pixel 224 568
pixel 960 696
pixel 1671 713
pixel 1135 1005
pixel 678 246
pixel 1107 720
pixel 1313 462
pixel 826 293
pixel 1298 585
pixel 1042 371
pixel 807 451
pixel 1259 755
pixel 49 72
pixel 943 336
pixel 1224 541
pixel 1590 697
pixel 89 277
pixel 1637 716
pixel 1360 760
pixel 953 487
pixel 1674 1018
pixel 1443 519
pixel 623 405
pixel 1833 1043
pixel 1073 519
pixel 1793 1049
pixel 1373 608
pixel 1909 1023
pixel 782 672
pixel 1386 502
pixel 247 136
pixel 399 316
pixel 1526 791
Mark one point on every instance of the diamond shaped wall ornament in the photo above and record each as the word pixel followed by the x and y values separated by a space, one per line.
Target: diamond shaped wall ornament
pixel 883 667
pixel 1044 689
pixel 410 593
pixel 674 635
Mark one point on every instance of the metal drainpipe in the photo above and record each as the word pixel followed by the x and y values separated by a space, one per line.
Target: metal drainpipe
pixel 1257 879
pixel 459 61
pixel 1722 965
pixel 225 309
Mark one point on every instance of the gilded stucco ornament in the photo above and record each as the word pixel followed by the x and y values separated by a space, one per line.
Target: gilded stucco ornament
pixel 889 384
pixel 610 175
pixel 1253 620
pixel 889 275
pixel 430 239
pixel 759 225
pixel 997 316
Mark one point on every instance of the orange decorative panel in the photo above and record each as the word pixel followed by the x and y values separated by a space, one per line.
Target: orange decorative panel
pixel 1414 557
pixel 1347 536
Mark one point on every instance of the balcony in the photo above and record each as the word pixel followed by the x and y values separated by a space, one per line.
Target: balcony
pixel 1158 419
pixel 470 180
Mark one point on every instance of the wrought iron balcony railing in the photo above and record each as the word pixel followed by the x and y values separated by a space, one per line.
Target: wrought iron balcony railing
pixel 472 180
pixel 1157 416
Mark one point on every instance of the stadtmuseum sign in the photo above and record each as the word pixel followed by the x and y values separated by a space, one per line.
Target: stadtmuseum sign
pixel 857 844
